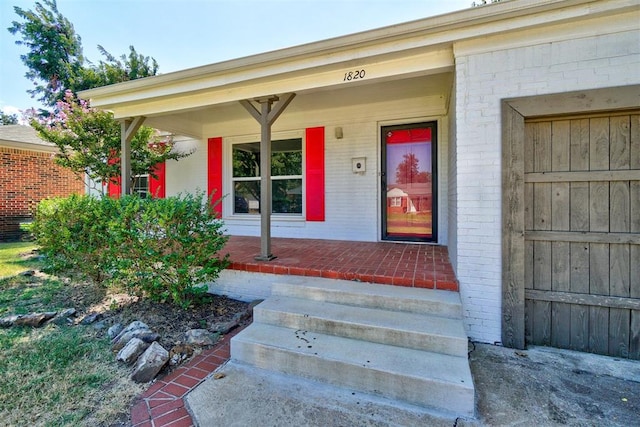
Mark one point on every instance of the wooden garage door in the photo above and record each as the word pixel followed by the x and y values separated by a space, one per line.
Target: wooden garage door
pixel 582 233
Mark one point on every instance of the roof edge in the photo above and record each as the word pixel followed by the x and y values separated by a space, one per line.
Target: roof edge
pixel 445 22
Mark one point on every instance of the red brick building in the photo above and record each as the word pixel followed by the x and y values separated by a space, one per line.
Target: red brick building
pixel 28 174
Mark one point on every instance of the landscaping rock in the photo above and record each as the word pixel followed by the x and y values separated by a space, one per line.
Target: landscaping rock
pixel 142 334
pixel 91 318
pixel 64 317
pixel 224 327
pixel 200 337
pixel 135 329
pixel 236 320
pixel 68 312
pixel 136 324
pixel 150 363
pixel 34 319
pixel 114 330
pixel 7 322
pixel 99 325
pixel 132 350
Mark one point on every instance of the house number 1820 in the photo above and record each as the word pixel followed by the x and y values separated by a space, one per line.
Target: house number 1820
pixel 354 75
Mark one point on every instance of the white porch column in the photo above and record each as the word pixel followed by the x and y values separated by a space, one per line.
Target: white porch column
pixel 128 128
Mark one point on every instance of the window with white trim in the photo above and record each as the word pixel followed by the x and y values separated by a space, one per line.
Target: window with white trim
pixel 286 177
pixel 141 186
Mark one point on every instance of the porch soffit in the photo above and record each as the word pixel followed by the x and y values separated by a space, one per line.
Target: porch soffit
pixel 274 79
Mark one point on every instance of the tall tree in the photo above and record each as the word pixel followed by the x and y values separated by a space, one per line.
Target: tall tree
pixel 55 60
pixel 8 119
pixel 88 139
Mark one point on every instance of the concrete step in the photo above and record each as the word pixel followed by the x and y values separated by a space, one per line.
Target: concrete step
pixel 428 379
pixel 404 329
pixel 396 298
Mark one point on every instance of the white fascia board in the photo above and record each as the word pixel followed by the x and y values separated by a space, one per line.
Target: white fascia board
pixel 352 50
pixel 627 21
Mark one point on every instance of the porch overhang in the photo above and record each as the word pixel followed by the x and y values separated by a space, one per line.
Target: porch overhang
pixel 418 48
pixel 227 87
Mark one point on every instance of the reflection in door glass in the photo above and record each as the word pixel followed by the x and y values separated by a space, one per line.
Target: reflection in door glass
pixel 409 208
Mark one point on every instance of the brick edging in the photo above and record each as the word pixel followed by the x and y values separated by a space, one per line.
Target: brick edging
pixel 163 403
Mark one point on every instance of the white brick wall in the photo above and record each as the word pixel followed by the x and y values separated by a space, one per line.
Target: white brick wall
pixel 452 191
pixel 482 81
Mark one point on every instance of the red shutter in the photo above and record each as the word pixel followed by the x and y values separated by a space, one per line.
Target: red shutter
pixel 315 173
pixel 113 185
pixel 114 189
pixel 157 186
pixel 214 171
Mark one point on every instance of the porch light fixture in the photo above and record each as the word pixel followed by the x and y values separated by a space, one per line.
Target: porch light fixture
pixel 338 132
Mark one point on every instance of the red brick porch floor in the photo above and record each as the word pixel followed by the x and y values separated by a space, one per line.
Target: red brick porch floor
pixel 401 264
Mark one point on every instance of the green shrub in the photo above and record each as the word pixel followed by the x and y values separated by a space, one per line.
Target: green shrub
pixel 73 234
pixel 159 248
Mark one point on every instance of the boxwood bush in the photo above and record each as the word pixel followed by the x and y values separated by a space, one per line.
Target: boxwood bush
pixel 163 249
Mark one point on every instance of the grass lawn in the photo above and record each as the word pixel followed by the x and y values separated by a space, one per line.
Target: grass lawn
pixel 10 261
pixel 56 375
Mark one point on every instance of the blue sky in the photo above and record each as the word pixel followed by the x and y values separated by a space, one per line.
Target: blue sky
pixel 182 34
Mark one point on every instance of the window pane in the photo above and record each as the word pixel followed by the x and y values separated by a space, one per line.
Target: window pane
pixel 286 160
pixel 246 197
pixel 286 157
pixel 246 160
pixel 286 196
pixel 141 186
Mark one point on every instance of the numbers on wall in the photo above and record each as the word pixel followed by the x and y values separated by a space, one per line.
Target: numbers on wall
pixel 354 75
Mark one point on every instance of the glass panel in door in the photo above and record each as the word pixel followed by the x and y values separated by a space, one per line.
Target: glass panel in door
pixel 408 182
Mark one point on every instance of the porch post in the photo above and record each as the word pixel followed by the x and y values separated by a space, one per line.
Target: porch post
pixel 128 128
pixel 266 116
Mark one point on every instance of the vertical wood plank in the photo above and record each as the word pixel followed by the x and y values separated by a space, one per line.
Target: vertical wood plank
pixel 529 150
pixel 619 221
pixel 560 221
pixel 560 145
pixel 579 191
pixel 513 242
pixel 634 141
pixel 542 218
pixel 542 281
pixel 620 146
pixel 634 250
pixel 542 146
pixel 579 284
pixel 634 339
pixel 542 155
pixel 599 144
pixel 560 281
pixel 579 145
pixel 528 284
pixel 599 221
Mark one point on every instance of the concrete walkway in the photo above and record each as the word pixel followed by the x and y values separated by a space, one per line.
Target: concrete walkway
pixel 539 386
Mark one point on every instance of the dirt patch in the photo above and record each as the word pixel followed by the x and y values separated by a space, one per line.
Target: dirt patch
pixel 169 321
